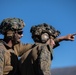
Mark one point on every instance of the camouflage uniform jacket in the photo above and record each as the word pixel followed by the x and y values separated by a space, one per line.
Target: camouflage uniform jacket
pixel 8 60
pixel 37 60
pixel 9 57
pixel 21 48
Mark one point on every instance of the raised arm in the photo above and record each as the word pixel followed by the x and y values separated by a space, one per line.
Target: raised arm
pixel 69 37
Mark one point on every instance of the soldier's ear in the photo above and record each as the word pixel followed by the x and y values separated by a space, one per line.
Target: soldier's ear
pixel 44 37
pixel 10 33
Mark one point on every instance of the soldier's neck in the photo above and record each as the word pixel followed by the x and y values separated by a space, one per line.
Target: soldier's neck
pixel 10 44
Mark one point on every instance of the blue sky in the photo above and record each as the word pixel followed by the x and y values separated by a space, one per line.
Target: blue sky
pixel 59 13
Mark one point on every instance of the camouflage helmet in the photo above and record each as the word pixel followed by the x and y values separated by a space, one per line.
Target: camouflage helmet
pixel 11 24
pixel 37 31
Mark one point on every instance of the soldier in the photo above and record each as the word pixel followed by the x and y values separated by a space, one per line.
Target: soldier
pixel 10 45
pixel 37 60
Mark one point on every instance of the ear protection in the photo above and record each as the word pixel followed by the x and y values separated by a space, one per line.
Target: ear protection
pixel 44 37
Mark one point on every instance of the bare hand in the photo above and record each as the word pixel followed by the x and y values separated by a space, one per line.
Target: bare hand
pixel 70 37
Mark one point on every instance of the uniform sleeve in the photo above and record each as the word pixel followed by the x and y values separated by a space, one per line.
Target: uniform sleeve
pixel 45 61
pixel 22 48
pixel 1 61
pixel 56 43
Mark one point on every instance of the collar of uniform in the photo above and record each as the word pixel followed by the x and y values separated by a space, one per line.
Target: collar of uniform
pixel 5 44
pixel 51 51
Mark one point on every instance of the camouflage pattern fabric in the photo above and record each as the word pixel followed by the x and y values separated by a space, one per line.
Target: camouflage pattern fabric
pixel 8 57
pixel 37 30
pixel 8 61
pixel 1 59
pixel 45 60
pixel 21 48
pixel 36 61
pixel 11 24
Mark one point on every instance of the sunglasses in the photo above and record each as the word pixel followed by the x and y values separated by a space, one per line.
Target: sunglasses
pixel 20 32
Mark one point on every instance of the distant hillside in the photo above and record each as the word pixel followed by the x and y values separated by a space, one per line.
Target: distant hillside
pixel 64 71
